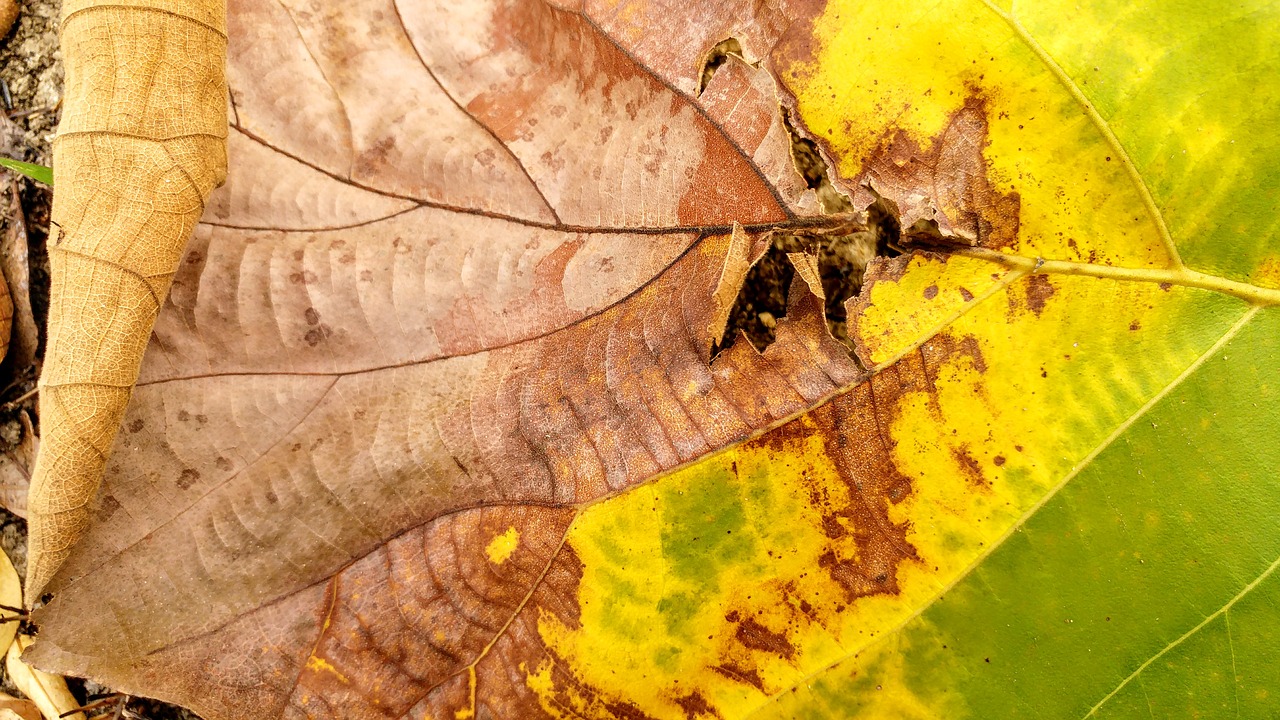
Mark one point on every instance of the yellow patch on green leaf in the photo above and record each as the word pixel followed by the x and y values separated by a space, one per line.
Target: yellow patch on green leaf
pixel 729 582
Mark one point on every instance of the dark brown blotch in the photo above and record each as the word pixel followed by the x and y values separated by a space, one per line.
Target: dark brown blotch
pixel 695 706
pixel 969 466
pixel 1039 290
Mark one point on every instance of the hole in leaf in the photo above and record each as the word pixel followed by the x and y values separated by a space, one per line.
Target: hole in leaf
pixel 842 259
pixel 717 57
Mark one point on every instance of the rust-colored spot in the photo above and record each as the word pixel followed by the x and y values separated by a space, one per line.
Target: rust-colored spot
pixel 964 293
pixel 223 464
pixel 375 158
pixel 999 460
pixel 1039 290
pixel 315 335
pixel 969 466
pixel 187 478
pixel 695 706
pixel 107 506
pixel 137 425
pixel 944 346
pixel 623 710
pixel 313 317
pixel 1166 286
pixel 747 676
pixel 758 637
pixel 1135 326
pixel 931 292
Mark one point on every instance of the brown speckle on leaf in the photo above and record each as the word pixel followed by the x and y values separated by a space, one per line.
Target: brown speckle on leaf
pixel 1039 290
pixel 758 637
pixel 969 466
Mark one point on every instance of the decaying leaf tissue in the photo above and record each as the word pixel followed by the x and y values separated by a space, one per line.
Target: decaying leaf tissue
pixel 635 359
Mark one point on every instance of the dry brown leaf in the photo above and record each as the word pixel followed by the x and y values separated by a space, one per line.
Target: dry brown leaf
pixel 12 708
pixel 471 295
pixel 24 338
pixel 48 692
pixel 15 469
pixel 140 146
pixel 431 426
pixel 8 15
pixel 11 597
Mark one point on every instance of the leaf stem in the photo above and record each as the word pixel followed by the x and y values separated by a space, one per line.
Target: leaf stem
pixel 1183 276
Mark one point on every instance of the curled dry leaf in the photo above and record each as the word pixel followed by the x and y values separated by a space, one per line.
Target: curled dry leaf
pixel 8 16
pixel 431 425
pixel 11 598
pixel 48 692
pixel 140 145
pixel 15 469
pixel 24 337
pixel 12 708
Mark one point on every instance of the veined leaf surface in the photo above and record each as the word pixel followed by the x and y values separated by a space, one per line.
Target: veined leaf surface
pixel 430 426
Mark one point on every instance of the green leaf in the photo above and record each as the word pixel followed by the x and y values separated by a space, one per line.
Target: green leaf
pixel 39 173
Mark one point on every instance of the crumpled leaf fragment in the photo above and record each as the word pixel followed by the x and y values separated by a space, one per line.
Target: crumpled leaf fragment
pixel 24 336
pixel 15 469
pixel 141 144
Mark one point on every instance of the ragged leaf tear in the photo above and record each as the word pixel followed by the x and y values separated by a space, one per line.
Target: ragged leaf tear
pixel 842 251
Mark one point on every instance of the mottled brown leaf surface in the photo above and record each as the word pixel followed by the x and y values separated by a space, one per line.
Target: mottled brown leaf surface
pixel 464 278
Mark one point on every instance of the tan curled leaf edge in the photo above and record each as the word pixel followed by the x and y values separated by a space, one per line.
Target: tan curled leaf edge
pixel 48 692
pixel 11 597
pixel 141 144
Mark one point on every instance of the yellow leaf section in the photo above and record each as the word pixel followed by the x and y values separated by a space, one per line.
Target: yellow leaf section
pixel 673 571
pixel 910 299
pixel 1063 375
pixel 502 546
pixel 720 584
pixel 1077 201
